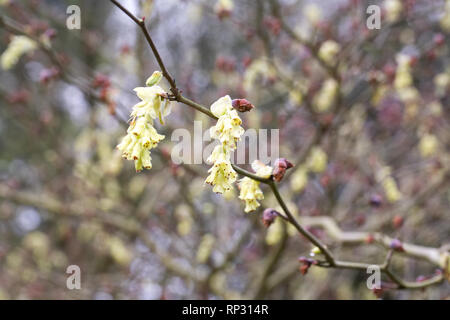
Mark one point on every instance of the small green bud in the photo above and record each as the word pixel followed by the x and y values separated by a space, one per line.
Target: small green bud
pixel 155 78
pixel 315 251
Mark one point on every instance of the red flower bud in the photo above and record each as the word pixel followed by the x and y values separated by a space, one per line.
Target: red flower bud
pixel 397 221
pixel 242 105
pixel 280 167
pixel 269 216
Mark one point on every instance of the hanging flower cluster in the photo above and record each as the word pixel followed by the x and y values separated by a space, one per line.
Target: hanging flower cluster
pixel 328 52
pixel 18 46
pixel 228 131
pixel 393 9
pixel 445 21
pixel 325 98
pixel 141 135
pixel 389 185
pixel 250 191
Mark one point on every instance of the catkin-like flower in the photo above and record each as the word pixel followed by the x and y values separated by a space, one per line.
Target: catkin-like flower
pixel 326 96
pixel 141 135
pixel 428 145
pixel 393 9
pixel 328 51
pixel 249 188
pixel 250 193
pixel 221 174
pixel 389 185
pixel 228 131
pixel 403 77
pixel 445 21
pixel 317 160
pixel 228 128
pixel 18 46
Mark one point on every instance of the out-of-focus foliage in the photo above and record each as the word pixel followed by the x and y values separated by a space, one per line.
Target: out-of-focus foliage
pixel 363 114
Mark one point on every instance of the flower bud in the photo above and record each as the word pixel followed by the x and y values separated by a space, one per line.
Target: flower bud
pixel 397 221
pixel 242 105
pixel 269 216
pixel 280 167
pixel 396 245
pixel 155 78
pixel 306 263
pixel 375 200
pixel 315 251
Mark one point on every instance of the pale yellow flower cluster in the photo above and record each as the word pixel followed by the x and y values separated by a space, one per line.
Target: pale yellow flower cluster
pixel 141 135
pixel 403 77
pixel 393 10
pixel 313 13
pixel 250 191
pixel 445 21
pixel 404 86
pixel 428 145
pixel 324 100
pixel 389 185
pixel 18 46
pixel 328 51
pixel 228 131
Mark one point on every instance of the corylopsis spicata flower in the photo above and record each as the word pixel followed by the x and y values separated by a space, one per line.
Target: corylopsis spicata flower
pixel 18 46
pixel 250 191
pixel 141 135
pixel 228 131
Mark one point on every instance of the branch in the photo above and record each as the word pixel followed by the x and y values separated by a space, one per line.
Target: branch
pixel 330 260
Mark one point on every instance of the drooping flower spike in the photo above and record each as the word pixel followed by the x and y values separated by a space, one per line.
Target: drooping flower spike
pixel 141 135
pixel 250 191
pixel 228 131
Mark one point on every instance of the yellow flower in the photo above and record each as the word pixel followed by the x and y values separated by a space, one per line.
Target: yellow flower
pixel 393 9
pixel 313 13
pixel 136 145
pixel 152 103
pixel 205 248
pixel 317 160
pixel 18 46
pixel 250 193
pixel 228 131
pixel 391 190
pixel 441 82
pixel 328 51
pixel 403 77
pixel 299 179
pixel 141 135
pixel 249 188
pixel 221 176
pixel 445 21
pixel 326 96
pixel 261 169
pixel 428 145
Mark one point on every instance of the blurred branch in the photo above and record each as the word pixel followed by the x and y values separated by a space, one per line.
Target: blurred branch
pixel 124 224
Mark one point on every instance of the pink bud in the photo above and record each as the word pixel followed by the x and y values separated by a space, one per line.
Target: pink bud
pixel 269 216
pixel 280 167
pixel 242 105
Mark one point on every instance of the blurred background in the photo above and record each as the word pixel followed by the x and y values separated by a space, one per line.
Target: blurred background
pixel 363 114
